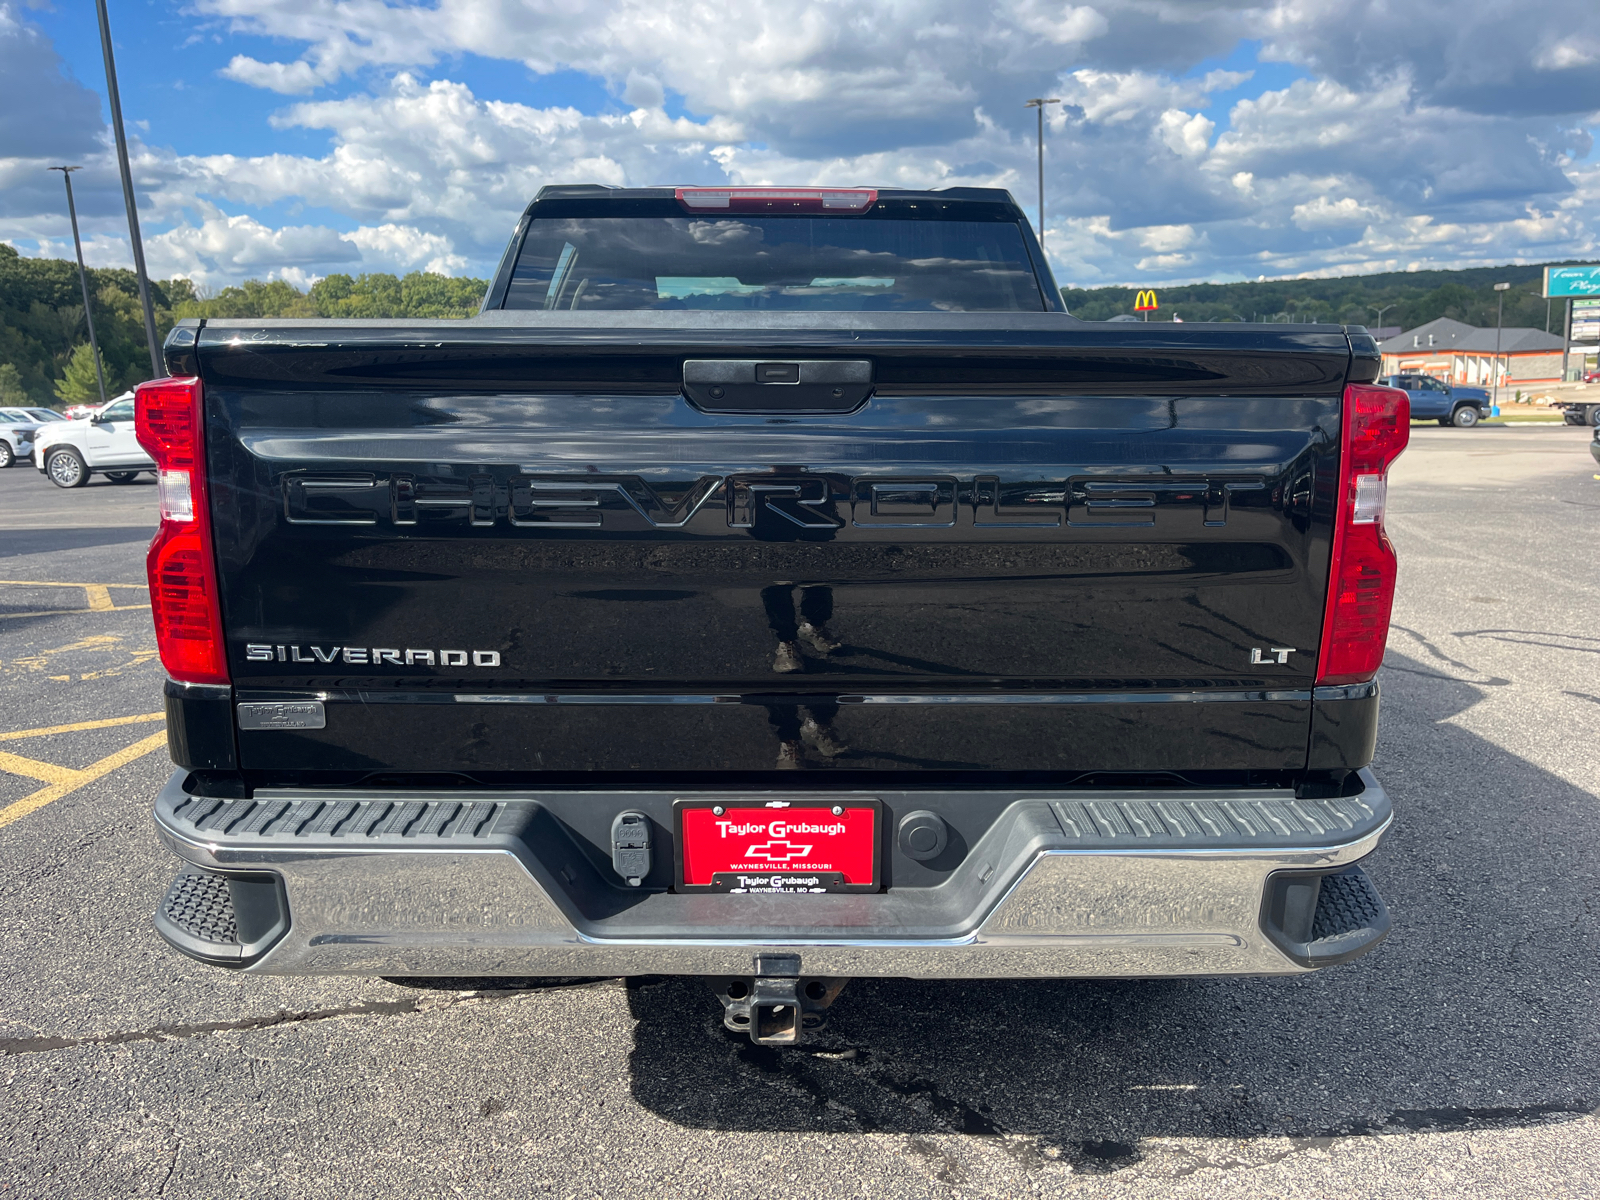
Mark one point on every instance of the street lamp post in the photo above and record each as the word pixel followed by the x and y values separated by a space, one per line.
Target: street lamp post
pixel 1381 311
pixel 127 192
pixel 83 279
pixel 1499 316
pixel 1038 102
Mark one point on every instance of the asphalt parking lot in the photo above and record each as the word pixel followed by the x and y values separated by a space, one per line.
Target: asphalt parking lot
pixel 1461 1057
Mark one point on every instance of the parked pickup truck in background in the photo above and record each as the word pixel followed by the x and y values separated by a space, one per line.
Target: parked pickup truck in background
pixel 776 586
pixel 1449 404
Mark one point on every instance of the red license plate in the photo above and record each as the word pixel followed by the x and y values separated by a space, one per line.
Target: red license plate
pixel 778 846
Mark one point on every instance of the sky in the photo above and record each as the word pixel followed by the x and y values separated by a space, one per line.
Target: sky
pixel 1195 139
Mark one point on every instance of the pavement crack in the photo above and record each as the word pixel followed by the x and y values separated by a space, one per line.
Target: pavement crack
pixel 171 1033
pixel 795 1066
pixel 177 1149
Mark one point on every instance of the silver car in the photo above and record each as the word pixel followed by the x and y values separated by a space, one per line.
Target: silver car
pixel 17 429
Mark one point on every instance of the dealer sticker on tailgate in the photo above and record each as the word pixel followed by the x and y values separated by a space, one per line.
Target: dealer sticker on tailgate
pixel 767 846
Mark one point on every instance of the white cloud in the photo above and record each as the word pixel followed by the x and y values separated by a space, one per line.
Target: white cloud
pixel 291 79
pixel 1166 237
pixel 1188 134
pixel 220 249
pixel 1063 24
pixel 1323 213
pixel 1389 153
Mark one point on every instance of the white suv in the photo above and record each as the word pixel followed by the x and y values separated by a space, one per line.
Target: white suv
pixel 17 427
pixel 103 443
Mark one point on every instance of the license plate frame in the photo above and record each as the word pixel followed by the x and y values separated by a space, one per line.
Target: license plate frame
pixel 692 818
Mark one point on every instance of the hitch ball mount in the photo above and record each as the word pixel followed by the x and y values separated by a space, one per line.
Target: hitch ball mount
pixel 777 1006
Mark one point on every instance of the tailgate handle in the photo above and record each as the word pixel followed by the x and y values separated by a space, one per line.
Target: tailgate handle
pixel 803 385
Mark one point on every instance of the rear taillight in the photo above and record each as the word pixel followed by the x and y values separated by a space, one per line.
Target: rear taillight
pixel 777 200
pixel 183 572
pixel 1361 577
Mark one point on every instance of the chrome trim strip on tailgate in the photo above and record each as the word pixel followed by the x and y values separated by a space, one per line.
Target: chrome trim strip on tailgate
pixel 1228 696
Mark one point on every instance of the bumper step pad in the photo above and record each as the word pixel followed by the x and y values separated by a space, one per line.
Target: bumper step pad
pixel 1326 919
pixel 200 907
pixel 1347 904
pixel 229 920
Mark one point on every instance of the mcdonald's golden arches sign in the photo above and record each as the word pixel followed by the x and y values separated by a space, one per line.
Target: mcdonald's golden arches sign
pixel 1145 302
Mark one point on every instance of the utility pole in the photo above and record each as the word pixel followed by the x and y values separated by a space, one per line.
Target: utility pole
pixel 1038 102
pixel 127 192
pixel 1566 345
pixel 1499 315
pixel 83 279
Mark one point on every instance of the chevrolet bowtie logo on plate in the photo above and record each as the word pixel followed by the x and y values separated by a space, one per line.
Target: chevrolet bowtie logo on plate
pixel 777 852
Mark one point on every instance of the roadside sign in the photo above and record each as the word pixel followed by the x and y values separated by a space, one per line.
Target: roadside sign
pixel 1571 281
pixel 1586 320
pixel 1145 301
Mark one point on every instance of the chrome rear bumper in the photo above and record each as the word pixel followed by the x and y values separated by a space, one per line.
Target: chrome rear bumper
pixel 1062 884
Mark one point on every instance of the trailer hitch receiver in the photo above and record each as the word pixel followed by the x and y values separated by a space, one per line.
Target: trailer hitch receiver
pixel 777 1006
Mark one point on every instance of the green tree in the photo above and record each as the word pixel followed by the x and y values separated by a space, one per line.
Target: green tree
pixel 12 393
pixel 78 383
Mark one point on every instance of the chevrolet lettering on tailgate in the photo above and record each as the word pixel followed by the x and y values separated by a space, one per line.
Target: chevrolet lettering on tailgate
pixel 492 496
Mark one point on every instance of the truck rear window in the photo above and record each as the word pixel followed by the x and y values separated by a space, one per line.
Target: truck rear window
pixel 774 263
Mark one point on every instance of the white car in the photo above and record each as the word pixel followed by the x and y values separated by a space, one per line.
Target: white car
pixel 68 452
pixel 17 428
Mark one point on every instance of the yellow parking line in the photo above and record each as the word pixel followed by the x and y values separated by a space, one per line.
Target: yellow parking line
pixel 73 780
pixel 73 612
pixel 32 768
pixel 48 583
pixel 76 726
pixel 96 595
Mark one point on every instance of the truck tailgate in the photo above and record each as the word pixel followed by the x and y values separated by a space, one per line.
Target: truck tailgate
pixel 506 546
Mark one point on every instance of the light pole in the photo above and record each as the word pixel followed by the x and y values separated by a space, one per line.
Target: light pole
pixel 1499 315
pixel 1037 102
pixel 1380 312
pixel 83 279
pixel 127 192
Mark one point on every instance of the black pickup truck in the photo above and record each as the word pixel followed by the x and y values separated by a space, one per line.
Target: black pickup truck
pixel 777 586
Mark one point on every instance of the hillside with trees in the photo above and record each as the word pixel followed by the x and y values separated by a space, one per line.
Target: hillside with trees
pixel 44 343
pixel 415 295
pixel 1406 298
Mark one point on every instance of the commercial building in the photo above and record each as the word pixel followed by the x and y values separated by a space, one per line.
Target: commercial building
pixel 1460 353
